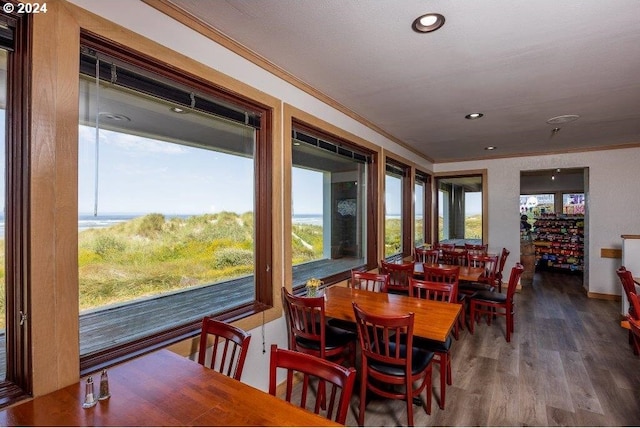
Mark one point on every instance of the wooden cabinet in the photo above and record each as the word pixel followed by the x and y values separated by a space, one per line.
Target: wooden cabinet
pixel 559 242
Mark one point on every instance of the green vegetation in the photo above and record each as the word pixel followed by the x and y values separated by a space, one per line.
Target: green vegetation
pixel 392 236
pixel 472 227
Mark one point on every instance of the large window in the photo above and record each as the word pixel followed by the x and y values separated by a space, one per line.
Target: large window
pixel 397 227
pixel 460 209
pixel 331 206
pixel 168 229
pixel 422 204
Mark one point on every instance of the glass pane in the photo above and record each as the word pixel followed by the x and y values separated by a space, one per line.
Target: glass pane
pixel 393 215
pixel 573 203
pixel 460 215
pixel 3 157
pixel 328 232
pixel 419 214
pixel 165 221
pixel 534 206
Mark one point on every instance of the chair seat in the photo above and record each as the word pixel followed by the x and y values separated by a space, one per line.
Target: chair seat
pixel 420 359
pixel 334 338
pixel 490 296
pixel 433 345
pixel 474 286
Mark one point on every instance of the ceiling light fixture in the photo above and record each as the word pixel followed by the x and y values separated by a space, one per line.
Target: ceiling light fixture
pixel 490 148
pixel 565 118
pixel 178 110
pixel 472 116
pixel 428 23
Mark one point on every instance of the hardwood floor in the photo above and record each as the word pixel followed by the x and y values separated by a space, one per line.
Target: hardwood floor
pixel 568 363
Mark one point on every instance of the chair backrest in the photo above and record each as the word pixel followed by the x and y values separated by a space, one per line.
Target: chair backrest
pixel 442 246
pixel 483 248
pixel 424 255
pixel 369 281
pixel 626 277
pixel 305 320
pixel 455 257
pixel 488 263
pixel 501 262
pixel 635 304
pixel 399 274
pixel 430 290
pixel 516 273
pixel 448 275
pixel 337 381
pixel 385 338
pixel 230 346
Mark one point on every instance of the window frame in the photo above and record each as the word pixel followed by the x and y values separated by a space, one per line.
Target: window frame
pixel 426 180
pixel 482 173
pixel 18 383
pixel 406 191
pixel 263 156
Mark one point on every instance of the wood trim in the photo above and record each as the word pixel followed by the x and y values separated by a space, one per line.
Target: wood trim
pixel 630 236
pixel 603 296
pixel 213 34
pixel 611 253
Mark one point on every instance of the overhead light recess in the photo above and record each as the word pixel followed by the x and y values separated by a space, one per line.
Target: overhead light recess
pixel 472 116
pixel 428 23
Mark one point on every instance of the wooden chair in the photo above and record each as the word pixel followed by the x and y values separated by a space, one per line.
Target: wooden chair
pixel 338 382
pixel 490 303
pixel 501 263
pixel 399 274
pixel 454 257
pixel 369 281
pixel 443 246
pixel 424 255
pixel 230 346
pixel 481 248
pixel 629 287
pixel 449 275
pixel 442 292
pixel 310 333
pixel 389 359
pixel 487 280
pixel 634 322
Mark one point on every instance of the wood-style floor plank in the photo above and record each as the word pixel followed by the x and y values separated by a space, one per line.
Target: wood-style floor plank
pixel 568 364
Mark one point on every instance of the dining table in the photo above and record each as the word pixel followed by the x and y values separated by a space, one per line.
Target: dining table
pixel 467 273
pixel 432 320
pixel 162 388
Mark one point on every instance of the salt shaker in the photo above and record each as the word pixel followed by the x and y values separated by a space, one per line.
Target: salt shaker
pixel 89 400
pixel 104 386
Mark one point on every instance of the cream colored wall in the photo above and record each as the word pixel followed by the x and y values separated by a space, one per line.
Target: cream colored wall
pixel 613 204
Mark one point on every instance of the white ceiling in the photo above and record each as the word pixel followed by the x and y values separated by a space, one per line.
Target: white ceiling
pixel 520 62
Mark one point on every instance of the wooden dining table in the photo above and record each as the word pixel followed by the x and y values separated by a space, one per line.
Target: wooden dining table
pixel 162 389
pixel 467 273
pixel 433 320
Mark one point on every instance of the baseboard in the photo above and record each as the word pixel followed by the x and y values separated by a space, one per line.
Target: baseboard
pixel 603 296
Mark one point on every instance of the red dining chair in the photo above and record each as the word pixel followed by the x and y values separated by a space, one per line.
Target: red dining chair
pixel 487 280
pixel 480 248
pixel 443 246
pixel 389 358
pixel 449 275
pixel 454 257
pixel 369 281
pixel 229 350
pixel 629 287
pixel 490 303
pixel 310 333
pixel 399 274
pixel 441 292
pixel 501 263
pixel 424 255
pixel 634 322
pixel 338 382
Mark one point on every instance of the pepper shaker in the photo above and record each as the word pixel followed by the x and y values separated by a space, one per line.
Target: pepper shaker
pixel 104 386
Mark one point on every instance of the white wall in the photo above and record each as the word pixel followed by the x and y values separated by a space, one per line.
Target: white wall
pixel 613 204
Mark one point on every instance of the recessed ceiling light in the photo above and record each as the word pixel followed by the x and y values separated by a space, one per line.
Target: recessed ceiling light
pixel 472 116
pixel 428 23
pixel 114 116
pixel 490 148
pixel 563 119
pixel 178 110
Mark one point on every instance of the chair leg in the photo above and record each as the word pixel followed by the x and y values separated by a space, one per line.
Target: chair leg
pixel 363 396
pixel 409 391
pixel 472 316
pixel 509 321
pixel 444 369
pixel 429 394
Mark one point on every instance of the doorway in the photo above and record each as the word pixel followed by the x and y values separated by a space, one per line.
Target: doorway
pixel 555 203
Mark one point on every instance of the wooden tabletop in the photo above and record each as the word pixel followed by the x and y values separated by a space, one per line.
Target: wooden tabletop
pixel 162 389
pixel 433 320
pixel 467 273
